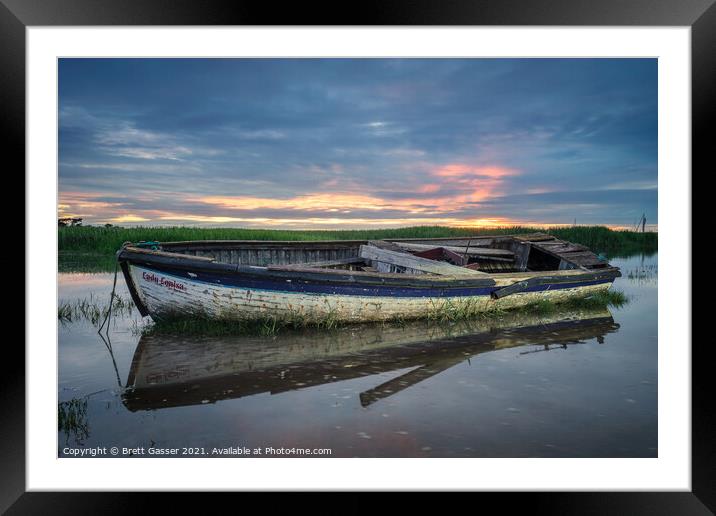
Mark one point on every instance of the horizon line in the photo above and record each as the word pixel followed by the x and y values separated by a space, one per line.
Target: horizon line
pixel 649 228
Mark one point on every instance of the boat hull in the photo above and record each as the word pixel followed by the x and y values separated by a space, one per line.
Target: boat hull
pixel 165 293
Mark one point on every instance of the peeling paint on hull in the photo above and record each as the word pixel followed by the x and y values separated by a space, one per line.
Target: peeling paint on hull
pixel 165 294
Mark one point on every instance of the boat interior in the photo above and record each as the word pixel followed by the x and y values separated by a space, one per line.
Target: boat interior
pixel 468 256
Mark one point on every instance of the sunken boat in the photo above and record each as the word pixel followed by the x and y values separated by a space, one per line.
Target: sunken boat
pixel 357 280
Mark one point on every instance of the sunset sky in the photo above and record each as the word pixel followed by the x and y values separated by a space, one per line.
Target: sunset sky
pixel 327 143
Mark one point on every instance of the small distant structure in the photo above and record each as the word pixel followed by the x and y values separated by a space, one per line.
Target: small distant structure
pixel 69 221
pixel 642 223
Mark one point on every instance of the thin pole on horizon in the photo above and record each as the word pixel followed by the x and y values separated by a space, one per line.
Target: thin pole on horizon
pixel 464 256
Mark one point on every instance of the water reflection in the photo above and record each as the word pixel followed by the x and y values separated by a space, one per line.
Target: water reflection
pixel 642 270
pixel 490 388
pixel 171 371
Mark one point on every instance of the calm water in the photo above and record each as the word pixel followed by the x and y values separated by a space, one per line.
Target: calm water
pixel 563 385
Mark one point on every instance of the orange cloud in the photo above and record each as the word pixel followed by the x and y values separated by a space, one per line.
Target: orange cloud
pixel 86 206
pixel 342 222
pixel 466 184
pixel 429 188
pixel 123 219
pixel 317 201
pixel 81 204
pixel 454 187
pixel 330 202
pixel 466 171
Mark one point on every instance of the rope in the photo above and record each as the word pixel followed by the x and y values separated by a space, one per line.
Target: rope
pixel 108 344
pixel 108 317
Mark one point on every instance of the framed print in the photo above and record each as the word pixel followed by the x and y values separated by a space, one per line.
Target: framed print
pixel 413 250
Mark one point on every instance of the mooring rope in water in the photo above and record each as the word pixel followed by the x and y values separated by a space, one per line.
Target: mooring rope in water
pixel 107 317
pixel 108 344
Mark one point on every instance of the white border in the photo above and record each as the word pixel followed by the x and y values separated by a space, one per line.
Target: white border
pixel 670 471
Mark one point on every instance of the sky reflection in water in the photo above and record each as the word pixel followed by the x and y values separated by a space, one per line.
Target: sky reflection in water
pixel 563 385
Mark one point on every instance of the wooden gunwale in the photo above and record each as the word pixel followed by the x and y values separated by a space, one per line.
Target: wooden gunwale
pixel 190 263
pixel 187 263
pixel 329 243
pixel 271 244
pixel 152 252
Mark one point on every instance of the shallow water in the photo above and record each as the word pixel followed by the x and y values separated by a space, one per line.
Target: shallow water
pixel 559 385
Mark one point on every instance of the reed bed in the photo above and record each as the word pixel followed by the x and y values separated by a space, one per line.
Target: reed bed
pixel 93 310
pixel 92 248
pixel 72 419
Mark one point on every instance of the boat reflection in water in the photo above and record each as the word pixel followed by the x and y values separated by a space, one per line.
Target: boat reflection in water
pixel 170 371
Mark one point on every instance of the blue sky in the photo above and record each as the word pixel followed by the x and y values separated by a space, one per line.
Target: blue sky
pixel 323 143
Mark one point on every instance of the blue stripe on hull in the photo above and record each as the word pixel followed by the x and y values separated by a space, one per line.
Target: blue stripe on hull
pixel 247 282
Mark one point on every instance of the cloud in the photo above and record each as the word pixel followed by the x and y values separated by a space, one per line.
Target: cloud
pixel 128 218
pixel 460 184
pixel 261 134
pixel 249 140
pixel 467 172
pixel 323 202
pixel 117 137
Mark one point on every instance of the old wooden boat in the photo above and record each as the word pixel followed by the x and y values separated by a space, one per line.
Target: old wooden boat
pixel 357 280
pixel 170 371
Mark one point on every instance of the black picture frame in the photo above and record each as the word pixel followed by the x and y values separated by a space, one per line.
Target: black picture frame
pixel 17 15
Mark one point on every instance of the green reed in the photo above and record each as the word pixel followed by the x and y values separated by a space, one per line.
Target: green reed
pixel 92 309
pixel 87 248
pixel 72 419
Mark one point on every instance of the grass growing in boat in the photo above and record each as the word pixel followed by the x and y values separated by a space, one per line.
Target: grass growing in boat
pixel 93 310
pixel 612 297
pixel 264 327
pixel 93 248
pixel 455 310
pixel 602 299
pixel 461 309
